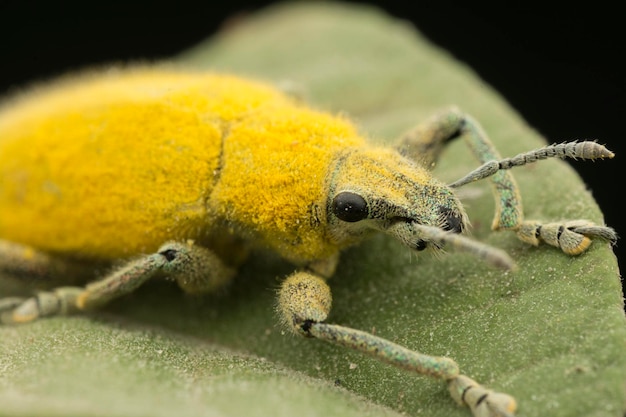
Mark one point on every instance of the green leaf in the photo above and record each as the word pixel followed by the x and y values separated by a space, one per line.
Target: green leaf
pixel 552 333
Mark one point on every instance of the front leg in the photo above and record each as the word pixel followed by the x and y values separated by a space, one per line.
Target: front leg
pixel 304 301
pixel 425 143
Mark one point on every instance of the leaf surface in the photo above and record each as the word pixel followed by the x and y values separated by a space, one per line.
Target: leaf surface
pixel 552 333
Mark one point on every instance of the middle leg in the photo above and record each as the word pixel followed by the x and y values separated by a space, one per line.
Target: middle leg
pixel 304 301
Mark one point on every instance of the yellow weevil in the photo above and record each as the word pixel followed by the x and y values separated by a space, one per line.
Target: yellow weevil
pixel 178 172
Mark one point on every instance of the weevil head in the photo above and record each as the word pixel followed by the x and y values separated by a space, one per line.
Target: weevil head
pixel 380 190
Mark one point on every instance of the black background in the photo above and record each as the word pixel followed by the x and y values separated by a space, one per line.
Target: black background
pixel 560 68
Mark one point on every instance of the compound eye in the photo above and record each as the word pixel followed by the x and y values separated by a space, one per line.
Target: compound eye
pixel 350 207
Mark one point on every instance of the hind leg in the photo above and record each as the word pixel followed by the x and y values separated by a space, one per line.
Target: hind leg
pixel 195 269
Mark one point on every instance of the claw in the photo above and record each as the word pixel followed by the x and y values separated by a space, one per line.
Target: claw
pixel 572 237
pixel 7 307
pixel 26 312
pixel 61 301
pixel 482 401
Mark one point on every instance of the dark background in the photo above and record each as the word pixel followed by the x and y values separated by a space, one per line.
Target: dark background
pixel 560 68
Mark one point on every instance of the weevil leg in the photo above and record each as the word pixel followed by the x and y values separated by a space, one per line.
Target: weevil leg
pixel 425 143
pixel 26 265
pixel 572 237
pixel 195 269
pixel 23 267
pixel 304 301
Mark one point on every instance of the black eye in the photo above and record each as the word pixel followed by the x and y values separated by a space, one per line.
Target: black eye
pixel 350 207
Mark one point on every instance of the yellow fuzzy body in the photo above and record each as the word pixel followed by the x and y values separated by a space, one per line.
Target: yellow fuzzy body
pixel 112 165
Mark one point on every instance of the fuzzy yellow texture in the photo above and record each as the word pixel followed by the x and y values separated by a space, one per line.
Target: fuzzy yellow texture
pixel 275 170
pixel 382 175
pixel 113 164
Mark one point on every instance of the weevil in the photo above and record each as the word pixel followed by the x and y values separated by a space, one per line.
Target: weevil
pixel 177 173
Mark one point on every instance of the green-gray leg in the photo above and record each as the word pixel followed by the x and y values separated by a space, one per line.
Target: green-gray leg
pixel 425 142
pixel 304 302
pixel 26 265
pixel 196 269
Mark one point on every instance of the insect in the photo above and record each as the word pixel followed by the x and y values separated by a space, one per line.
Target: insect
pixel 178 173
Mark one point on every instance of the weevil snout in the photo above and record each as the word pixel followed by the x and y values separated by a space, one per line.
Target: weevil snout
pixel 382 191
pixel 404 219
pixel 451 221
